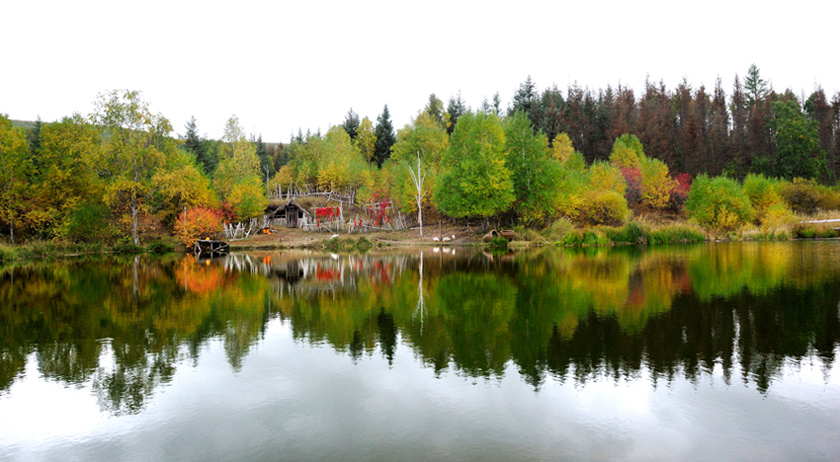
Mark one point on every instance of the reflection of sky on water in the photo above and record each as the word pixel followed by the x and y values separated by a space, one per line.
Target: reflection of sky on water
pixel 293 401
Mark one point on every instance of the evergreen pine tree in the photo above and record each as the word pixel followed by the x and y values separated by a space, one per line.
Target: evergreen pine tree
pixel 497 104
pixel 198 147
pixel 527 100
pixel 266 162
pixel 34 138
pixel 385 137
pixel 456 108
pixel 755 87
pixel 351 124
pixel 435 109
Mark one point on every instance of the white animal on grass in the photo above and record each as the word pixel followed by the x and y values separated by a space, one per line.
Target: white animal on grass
pixel 446 239
pixel 334 236
pixel 453 237
pixel 435 239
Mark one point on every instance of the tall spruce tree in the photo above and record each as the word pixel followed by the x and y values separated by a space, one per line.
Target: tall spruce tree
pixel 527 100
pixel 552 108
pixel 351 124
pixel 755 87
pixel 34 138
pixel 456 108
pixel 435 110
pixel 198 147
pixel 497 104
pixel 266 162
pixel 717 145
pixel 385 137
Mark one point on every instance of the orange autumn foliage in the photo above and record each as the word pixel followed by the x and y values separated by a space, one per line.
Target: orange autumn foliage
pixel 200 223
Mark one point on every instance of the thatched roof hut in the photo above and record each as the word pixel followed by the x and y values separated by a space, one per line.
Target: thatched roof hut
pixel 288 211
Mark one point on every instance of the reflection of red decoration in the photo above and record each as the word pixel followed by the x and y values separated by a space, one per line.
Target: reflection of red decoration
pixel 326 275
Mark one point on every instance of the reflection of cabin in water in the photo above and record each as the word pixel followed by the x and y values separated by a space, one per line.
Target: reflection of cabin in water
pixel 287 213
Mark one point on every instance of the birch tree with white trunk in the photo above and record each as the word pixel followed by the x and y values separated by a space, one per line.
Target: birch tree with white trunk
pixel 419 179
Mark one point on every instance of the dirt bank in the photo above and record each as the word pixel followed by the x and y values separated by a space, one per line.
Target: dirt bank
pixel 295 238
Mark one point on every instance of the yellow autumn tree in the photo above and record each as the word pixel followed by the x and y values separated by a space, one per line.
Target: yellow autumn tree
pixel 562 147
pixel 657 183
pixel 238 161
pixel 365 139
pixel 136 143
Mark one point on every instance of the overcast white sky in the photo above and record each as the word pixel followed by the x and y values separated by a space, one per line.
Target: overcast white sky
pixel 281 65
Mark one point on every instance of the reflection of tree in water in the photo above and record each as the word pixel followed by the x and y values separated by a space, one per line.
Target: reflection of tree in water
pixel 602 313
pixel 674 312
pixel 12 364
pixel 125 384
pixel 119 324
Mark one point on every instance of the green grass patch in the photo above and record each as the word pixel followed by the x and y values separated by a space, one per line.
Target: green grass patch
pixel 631 233
pixel 594 237
pixel 498 242
pixel 558 229
pixel 160 247
pixel 346 245
pixel 676 234
pixel 127 247
pixel 7 253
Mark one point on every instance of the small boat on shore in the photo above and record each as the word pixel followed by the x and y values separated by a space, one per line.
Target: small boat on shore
pixel 211 247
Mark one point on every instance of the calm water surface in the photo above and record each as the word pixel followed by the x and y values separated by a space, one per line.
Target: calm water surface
pixel 707 352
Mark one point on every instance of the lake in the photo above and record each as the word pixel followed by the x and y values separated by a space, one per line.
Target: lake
pixel 701 352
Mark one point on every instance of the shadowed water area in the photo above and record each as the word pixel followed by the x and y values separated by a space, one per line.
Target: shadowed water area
pixel 704 352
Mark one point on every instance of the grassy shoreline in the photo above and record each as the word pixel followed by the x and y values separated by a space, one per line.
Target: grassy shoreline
pixel 561 233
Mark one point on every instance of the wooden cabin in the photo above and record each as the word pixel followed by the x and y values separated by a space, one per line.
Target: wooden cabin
pixel 287 213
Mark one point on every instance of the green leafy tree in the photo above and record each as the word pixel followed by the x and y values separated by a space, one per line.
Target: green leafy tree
pixel 135 148
pixel 423 135
pixel 14 166
pixel 428 139
pixel 798 151
pixel 66 186
pixel 476 182
pixel 627 152
pixel 718 203
pixel 183 183
pixel 534 174
pixel 340 162
pixel 248 199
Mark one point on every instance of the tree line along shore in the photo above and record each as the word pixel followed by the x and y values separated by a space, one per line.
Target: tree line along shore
pixel 574 167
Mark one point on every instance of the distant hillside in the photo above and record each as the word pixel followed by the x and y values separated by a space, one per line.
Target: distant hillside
pixel 24 124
